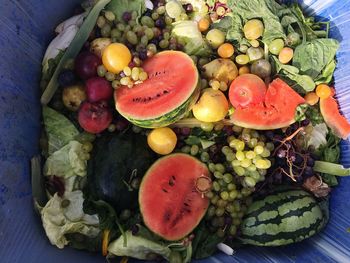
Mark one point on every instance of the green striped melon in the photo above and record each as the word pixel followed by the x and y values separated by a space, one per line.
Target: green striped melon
pixel 282 218
pixel 166 96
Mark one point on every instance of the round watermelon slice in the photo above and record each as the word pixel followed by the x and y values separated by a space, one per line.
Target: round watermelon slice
pixel 170 202
pixel 166 96
pixel 333 118
pixel 276 111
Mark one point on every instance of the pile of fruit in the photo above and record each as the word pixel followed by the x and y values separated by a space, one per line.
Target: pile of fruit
pixel 198 125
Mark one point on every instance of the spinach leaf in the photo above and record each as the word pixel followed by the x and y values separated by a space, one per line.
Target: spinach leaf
pixel 314 56
pixel 266 10
pixel 74 48
pixel 327 73
pixel 47 74
pixel 300 82
pixel 204 243
pixel 330 153
pixel 38 183
pixel 118 7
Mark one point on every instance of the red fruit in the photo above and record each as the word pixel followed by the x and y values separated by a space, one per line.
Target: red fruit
pixel 86 65
pixel 94 117
pixel 98 88
pixel 247 89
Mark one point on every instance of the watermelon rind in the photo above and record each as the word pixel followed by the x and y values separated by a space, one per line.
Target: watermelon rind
pixel 169 118
pixel 282 218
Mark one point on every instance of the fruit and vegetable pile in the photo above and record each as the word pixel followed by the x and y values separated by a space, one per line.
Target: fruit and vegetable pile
pixel 175 128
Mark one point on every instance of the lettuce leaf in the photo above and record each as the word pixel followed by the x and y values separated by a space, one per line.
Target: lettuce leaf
pixel 68 161
pixel 65 215
pixel 137 247
pixel 318 136
pixel 118 7
pixel 187 32
pixel 59 129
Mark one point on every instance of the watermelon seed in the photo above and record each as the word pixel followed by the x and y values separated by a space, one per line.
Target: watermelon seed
pixel 164 190
pixel 171 181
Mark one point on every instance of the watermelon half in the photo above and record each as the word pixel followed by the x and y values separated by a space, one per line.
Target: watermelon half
pixel 276 111
pixel 170 203
pixel 166 96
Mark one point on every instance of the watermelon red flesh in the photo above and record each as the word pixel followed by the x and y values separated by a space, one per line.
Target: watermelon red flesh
pixel 277 111
pixel 170 204
pixel 333 118
pixel 173 78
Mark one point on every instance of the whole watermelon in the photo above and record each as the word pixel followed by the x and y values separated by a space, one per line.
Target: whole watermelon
pixel 283 218
pixel 115 160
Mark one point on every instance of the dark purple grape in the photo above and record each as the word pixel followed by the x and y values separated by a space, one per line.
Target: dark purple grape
pixel 143 54
pixel 189 8
pixel 305 122
pixel 269 135
pixel 228 130
pixel 121 124
pixel 177 130
pixel 154 41
pixel 148 12
pixel 310 162
pixel 308 171
pixel 179 46
pixel 281 153
pixel 186 131
pixel 299 179
pixel 66 78
pixel 86 65
pixel 298 159
pixel 228 220
pixel 134 230
pixel 127 16
pixel 277 137
pixel 160 22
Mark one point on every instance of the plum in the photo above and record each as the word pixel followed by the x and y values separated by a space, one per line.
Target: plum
pixel 95 117
pixel 86 65
pixel 98 88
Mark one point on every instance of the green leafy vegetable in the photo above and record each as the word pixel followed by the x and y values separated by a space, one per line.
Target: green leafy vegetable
pixel 59 129
pixel 50 70
pixel 314 56
pixel 65 215
pixel 205 242
pixel 69 161
pixel 74 48
pixel 137 247
pixel 302 83
pixel 318 136
pixel 327 73
pixel 187 33
pixel 266 10
pixel 118 7
pixel 331 168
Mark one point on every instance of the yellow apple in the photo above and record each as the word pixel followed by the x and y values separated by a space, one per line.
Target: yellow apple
pixel 211 107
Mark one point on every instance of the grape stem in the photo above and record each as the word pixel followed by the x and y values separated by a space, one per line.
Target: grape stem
pixel 290 137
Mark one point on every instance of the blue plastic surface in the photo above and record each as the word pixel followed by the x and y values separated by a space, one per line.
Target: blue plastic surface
pixel 25 30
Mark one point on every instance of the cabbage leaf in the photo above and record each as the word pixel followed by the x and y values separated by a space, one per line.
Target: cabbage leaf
pixel 59 129
pixel 187 33
pixel 62 216
pixel 137 247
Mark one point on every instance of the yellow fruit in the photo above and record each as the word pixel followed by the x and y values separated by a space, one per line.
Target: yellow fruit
pixel 286 55
pixel 244 70
pixel 226 50
pixel 116 57
pixel 323 91
pixel 253 29
pixel 211 107
pixel 311 98
pixel 162 140
pixel 203 24
pixel 221 69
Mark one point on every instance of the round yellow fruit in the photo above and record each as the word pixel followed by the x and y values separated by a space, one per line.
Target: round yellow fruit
pixel 211 107
pixel 116 57
pixel 162 140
